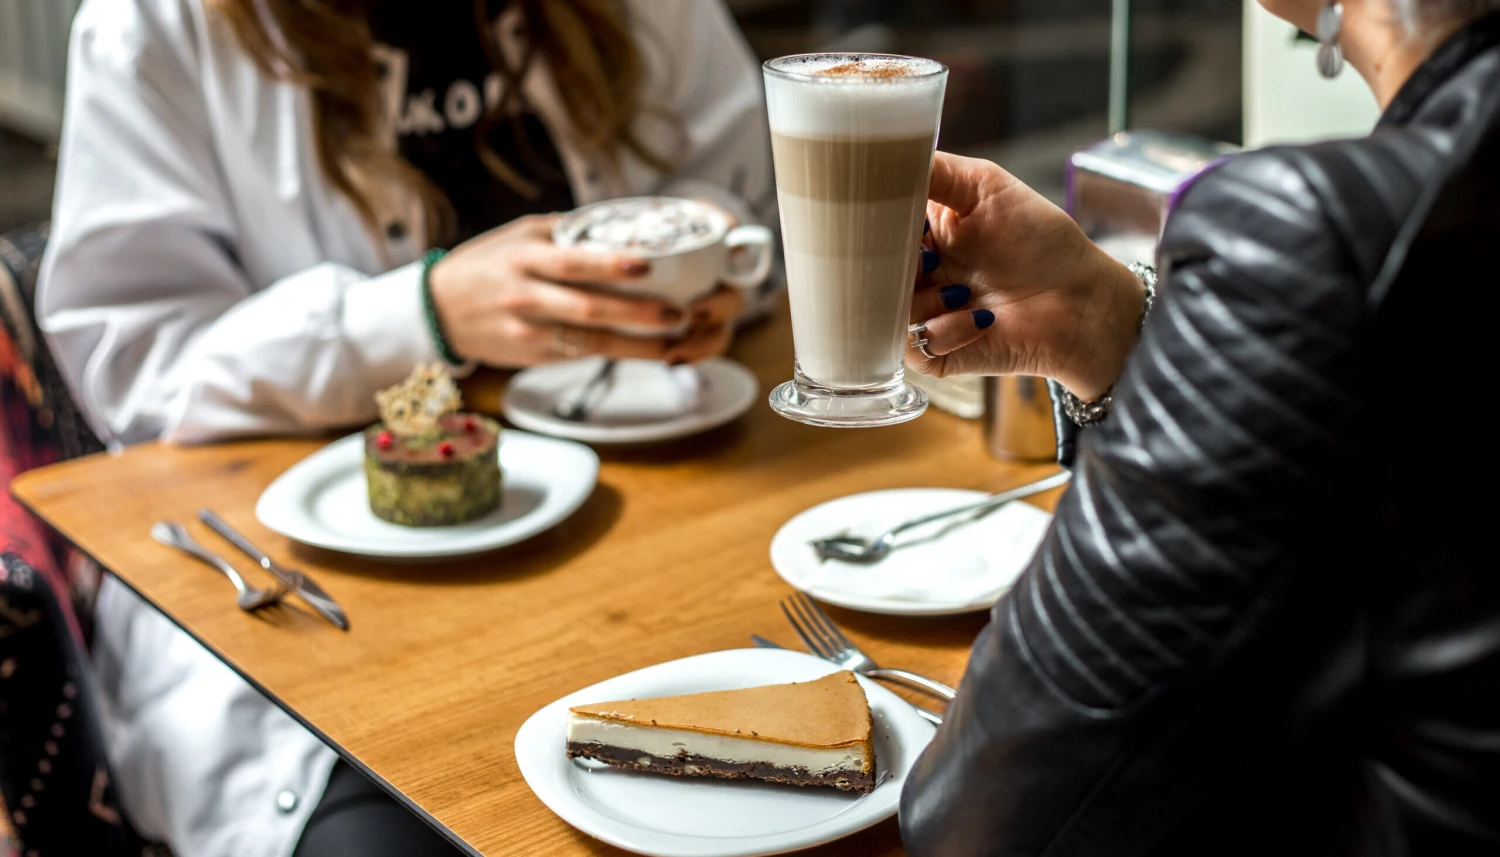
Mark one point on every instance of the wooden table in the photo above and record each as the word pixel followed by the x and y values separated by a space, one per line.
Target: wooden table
pixel 668 558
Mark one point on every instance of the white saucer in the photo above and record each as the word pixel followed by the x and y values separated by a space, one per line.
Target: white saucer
pixel 958 566
pixel 648 401
pixel 672 817
pixel 322 501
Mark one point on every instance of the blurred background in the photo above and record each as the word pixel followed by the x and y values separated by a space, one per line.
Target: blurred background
pixel 1030 78
pixel 33 56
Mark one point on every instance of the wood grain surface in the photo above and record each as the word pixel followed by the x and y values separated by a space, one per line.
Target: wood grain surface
pixel 443 662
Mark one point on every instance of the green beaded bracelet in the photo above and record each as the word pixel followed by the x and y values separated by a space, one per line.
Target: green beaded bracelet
pixel 435 327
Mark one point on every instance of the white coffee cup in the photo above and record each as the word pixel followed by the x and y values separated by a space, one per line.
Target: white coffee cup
pixel 689 266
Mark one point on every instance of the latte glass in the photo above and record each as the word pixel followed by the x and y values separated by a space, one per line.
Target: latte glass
pixel 853 137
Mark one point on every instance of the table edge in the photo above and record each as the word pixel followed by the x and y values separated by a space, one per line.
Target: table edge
pixel 343 754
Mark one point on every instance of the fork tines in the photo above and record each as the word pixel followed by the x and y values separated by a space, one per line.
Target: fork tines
pixel 823 638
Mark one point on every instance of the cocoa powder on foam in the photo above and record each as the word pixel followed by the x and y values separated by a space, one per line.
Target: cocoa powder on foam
pixel 866 69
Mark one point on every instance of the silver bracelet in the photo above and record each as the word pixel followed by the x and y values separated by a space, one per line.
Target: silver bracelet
pixel 1087 413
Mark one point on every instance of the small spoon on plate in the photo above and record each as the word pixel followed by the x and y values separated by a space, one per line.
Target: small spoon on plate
pixel 858 549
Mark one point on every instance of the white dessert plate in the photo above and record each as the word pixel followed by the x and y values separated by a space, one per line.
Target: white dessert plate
pixel 692 817
pixel 648 401
pixel 961 565
pixel 322 501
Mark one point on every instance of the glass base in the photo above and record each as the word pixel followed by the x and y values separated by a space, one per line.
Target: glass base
pixel 822 406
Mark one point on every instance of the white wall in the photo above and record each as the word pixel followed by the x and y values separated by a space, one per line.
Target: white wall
pixel 1286 100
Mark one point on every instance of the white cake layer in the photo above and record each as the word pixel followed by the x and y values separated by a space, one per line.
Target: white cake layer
pixel 666 743
pixel 867 107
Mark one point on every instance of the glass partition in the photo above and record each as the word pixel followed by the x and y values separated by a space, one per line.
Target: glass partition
pixel 1030 79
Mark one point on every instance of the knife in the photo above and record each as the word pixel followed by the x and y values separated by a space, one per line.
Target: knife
pixel 316 597
pixel 930 716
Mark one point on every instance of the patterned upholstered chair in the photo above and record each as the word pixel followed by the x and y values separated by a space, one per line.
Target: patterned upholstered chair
pixel 54 778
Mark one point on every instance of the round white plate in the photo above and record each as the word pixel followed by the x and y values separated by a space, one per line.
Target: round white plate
pixel 322 501
pixel 962 565
pixel 683 817
pixel 645 404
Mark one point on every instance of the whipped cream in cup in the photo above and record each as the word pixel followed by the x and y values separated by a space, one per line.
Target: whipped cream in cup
pixel 692 247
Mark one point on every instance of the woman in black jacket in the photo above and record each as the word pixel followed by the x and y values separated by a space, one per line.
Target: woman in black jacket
pixel 1267 617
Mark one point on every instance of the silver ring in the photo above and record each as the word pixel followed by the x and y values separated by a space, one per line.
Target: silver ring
pixel 920 343
pixel 565 342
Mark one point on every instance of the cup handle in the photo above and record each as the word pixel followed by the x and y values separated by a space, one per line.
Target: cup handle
pixel 759 240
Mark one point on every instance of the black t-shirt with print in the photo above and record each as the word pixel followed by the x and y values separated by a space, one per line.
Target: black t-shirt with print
pixel 435 53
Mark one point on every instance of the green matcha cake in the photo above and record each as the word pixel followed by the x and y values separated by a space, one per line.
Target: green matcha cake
pixel 426 463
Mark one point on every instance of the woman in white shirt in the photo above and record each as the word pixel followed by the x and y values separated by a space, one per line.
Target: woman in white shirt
pixel 248 196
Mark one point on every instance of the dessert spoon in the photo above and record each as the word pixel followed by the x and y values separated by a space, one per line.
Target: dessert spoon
pixel 583 404
pixel 859 549
pixel 175 535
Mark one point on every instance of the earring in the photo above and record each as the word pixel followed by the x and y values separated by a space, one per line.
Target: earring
pixel 1330 55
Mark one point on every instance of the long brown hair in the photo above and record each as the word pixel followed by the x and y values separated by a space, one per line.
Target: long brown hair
pixel 325 46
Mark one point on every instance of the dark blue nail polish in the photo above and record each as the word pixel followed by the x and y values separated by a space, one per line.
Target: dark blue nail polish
pixel 955 296
pixel 926 226
pixel 929 260
pixel 983 318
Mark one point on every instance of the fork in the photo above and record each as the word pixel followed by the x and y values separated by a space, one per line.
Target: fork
pixel 315 596
pixel 249 599
pixel 583 404
pixel 824 639
pixel 930 716
pixel 859 549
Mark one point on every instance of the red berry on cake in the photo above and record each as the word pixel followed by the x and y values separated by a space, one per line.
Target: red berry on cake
pixel 470 424
pixel 445 449
pixel 384 440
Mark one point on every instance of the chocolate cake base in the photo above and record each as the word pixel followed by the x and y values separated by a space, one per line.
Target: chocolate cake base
pixel 687 765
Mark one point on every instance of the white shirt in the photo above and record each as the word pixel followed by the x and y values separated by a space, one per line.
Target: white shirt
pixel 204 281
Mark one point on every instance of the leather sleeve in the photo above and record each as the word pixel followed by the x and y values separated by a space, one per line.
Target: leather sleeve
pixel 1091 718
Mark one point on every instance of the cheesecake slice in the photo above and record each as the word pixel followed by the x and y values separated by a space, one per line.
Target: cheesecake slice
pixel 814 733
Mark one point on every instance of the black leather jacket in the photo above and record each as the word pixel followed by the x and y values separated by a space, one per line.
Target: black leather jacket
pixel 1267 618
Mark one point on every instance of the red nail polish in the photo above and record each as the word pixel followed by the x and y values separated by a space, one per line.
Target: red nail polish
pixel 445 449
pixel 383 440
pixel 636 267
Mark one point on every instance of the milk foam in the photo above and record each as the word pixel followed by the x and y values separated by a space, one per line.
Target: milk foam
pixel 803 103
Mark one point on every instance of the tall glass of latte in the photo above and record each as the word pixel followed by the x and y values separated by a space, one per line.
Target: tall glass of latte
pixel 853 137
